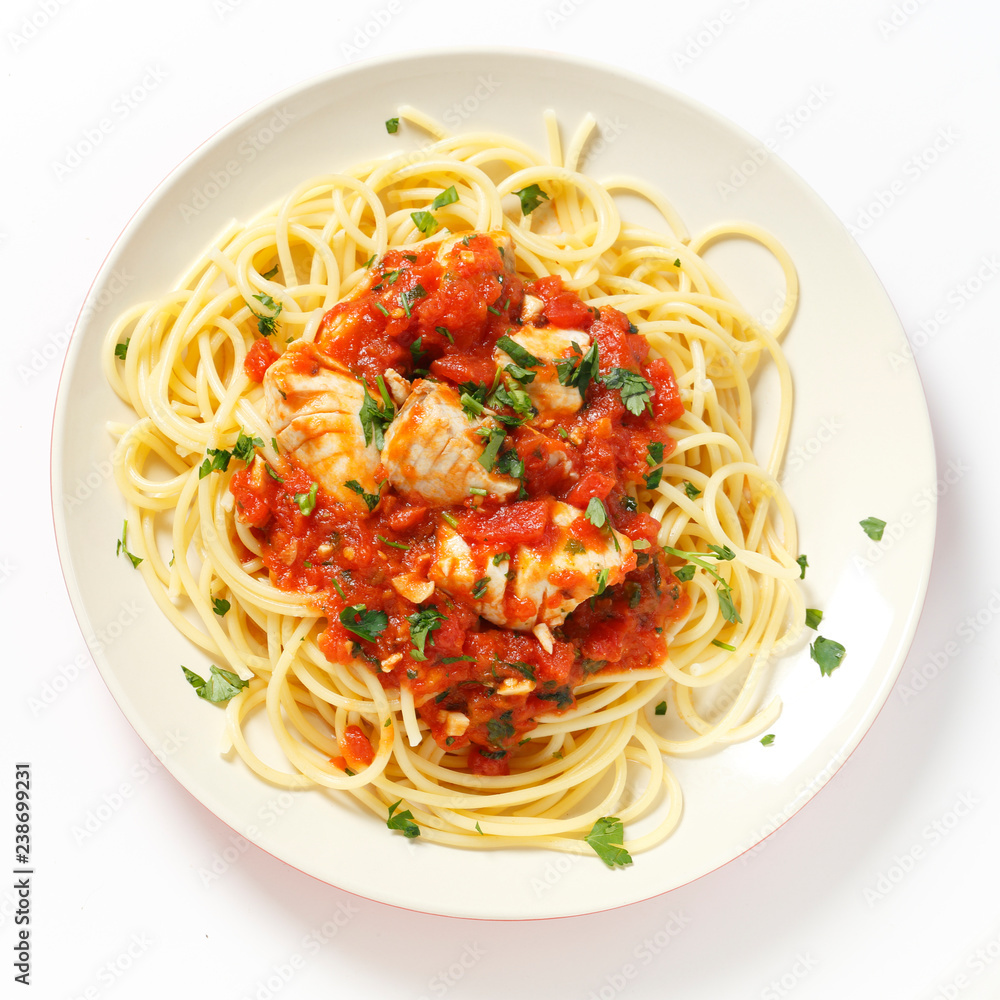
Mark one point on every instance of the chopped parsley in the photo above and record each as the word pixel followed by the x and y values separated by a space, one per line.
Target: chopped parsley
pixel 596 513
pixel 392 125
pixel 606 838
pixel 217 461
pixel 691 490
pixel 365 624
pixel 531 197
pixel 402 821
pixel 580 369
pixel 120 548
pixel 563 696
pixel 265 324
pixel 375 416
pixel 827 654
pixel 395 545
pixel 813 617
pixel 873 528
pixel 246 446
pixel 723 645
pixel 220 686
pixel 371 499
pixel 408 298
pixel 517 353
pixel 494 440
pixel 446 333
pixel 500 729
pixel 121 350
pixel 307 501
pixel 634 388
pixel 767 740
pixel 723 590
pixel 661 709
pixel 422 623
pixel 425 222
pixel 447 197
pixel 479 587
pixel 803 564
pixel 274 475
pixel 220 606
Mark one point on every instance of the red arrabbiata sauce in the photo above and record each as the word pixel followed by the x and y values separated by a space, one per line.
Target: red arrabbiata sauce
pixel 571 463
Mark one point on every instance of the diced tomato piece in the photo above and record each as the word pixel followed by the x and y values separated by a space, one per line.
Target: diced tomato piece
pixel 259 358
pixel 460 368
pixel 666 401
pixel 405 518
pixel 356 747
pixel 478 764
pixel 593 484
pixel 522 522
pixel 563 309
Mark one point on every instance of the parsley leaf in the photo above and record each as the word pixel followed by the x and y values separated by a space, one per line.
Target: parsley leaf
pixel 579 370
pixel 409 297
pixel 827 654
pixel 596 513
pixel 369 625
pixel 265 324
pixel 813 617
pixel 447 197
pixel 518 354
pixel 220 606
pixel 767 740
pixel 392 125
pixel 500 729
pixel 307 501
pixel 722 589
pixel 606 838
pixel 402 821
pixel 803 563
pixel 422 624
pixel 425 222
pixel 120 548
pixel 371 499
pixel 563 697
pixel 873 528
pixel 531 197
pixel 376 417
pixel 217 461
pixel 220 686
pixel 245 447
pixel 121 350
pixel 495 438
pixel 691 490
pixel 634 388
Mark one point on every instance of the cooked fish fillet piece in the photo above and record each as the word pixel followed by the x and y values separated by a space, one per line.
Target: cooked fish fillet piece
pixel 313 410
pixel 548 344
pixel 432 448
pixel 546 581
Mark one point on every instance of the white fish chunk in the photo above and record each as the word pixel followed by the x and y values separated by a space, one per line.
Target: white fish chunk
pixel 548 344
pixel 313 410
pixel 538 583
pixel 432 448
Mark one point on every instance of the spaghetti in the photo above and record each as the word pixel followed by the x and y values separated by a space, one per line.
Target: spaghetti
pixel 203 466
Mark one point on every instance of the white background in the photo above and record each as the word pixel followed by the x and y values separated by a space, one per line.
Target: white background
pixel 885 886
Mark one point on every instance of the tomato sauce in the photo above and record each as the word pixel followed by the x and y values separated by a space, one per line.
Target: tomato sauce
pixel 426 318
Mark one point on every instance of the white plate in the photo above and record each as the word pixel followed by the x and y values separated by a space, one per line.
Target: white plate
pixel 861 446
